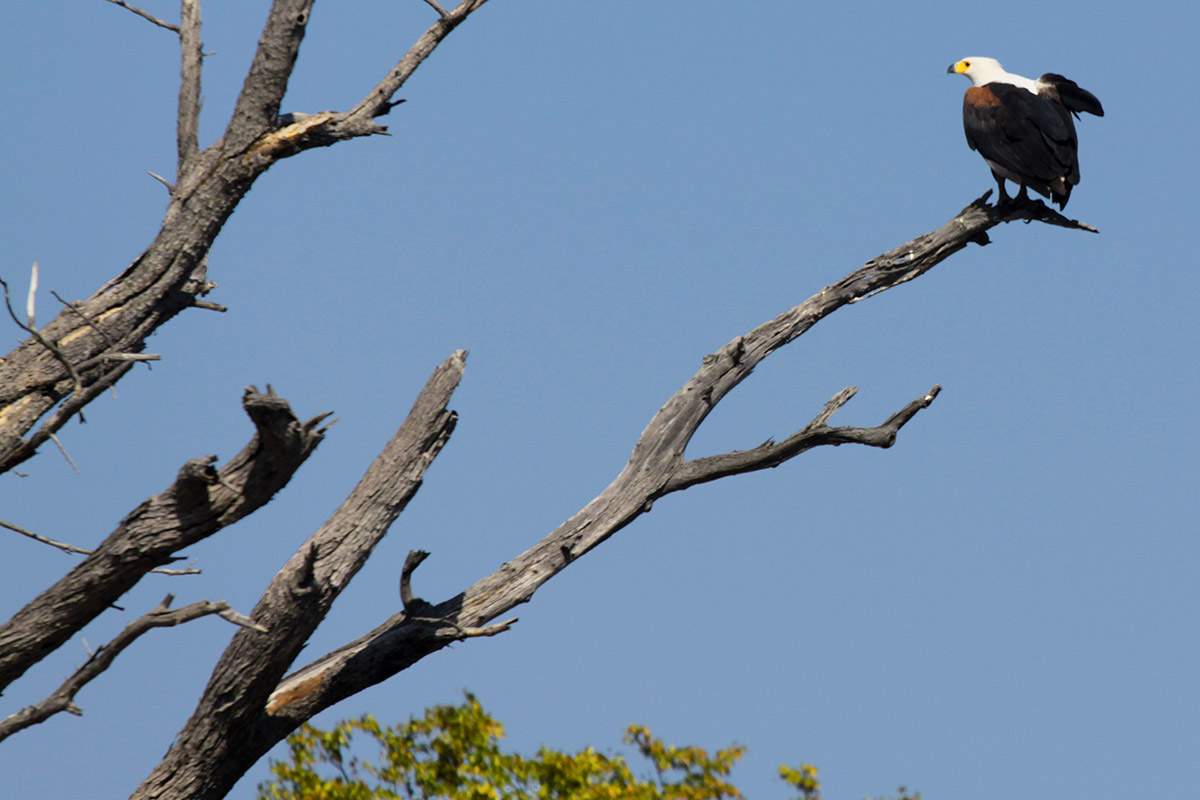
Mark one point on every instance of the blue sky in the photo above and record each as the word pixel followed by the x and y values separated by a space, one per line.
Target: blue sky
pixel 590 197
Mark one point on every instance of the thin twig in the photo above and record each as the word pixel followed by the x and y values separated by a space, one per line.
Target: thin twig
pixel 461 632
pixel 123 357
pixel 188 570
pixel 91 323
pixel 378 102
pixel 63 450
pixel 162 23
pixel 815 434
pixel 66 548
pixel 100 660
pixel 42 341
pixel 438 7
pixel 837 401
pixel 70 548
pixel 170 186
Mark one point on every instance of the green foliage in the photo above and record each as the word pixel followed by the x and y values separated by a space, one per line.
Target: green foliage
pixel 453 752
pixel 803 779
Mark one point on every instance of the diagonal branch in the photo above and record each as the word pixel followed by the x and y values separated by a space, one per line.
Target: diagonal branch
pixel 66 548
pixel 146 15
pixel 656 467
pixel 200 502
pixel 63 699
pixel 248 706
pixel 376 103
pixel 222 739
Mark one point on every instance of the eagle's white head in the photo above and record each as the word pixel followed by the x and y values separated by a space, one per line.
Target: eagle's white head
pixel 981 70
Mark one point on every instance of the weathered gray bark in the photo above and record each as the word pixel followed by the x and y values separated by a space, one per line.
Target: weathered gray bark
pixel 64 365
pixel 230 729
pixel 171 274
pixel 656 467
pixel 249 705
pixel 200 502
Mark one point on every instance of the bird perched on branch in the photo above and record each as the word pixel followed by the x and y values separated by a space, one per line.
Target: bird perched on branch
pixel 1023 128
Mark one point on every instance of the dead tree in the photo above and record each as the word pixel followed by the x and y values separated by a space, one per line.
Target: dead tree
pixel 251 701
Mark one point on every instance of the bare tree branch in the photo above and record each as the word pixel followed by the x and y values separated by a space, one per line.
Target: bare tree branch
pixel 116 357
pixel 656 467
pixel 412 603
pixel 70 548
pixel 304 131
pixel 376 103
pixel 191 62
pixel 31 298
pixel 258 104
pixel 200 502
pixel 146 15
pixel 221 740
pixel 62 359
pixel 170 186
pixel 247 706
pixel 65 454
pixel 161 282
pixel 815 434
pixel 66 548
pixel 63 699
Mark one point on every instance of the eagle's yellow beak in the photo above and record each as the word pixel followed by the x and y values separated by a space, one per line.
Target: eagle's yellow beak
pixel 958 67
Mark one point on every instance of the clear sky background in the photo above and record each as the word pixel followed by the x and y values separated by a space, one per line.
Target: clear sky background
pixel 591 196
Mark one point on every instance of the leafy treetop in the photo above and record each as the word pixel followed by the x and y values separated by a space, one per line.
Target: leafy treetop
pixel 453 752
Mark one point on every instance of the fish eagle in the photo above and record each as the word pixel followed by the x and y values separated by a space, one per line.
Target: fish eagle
pixel 1023 128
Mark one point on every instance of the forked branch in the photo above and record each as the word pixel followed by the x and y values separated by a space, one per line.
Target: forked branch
pixel 815 434
pixel 656 467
